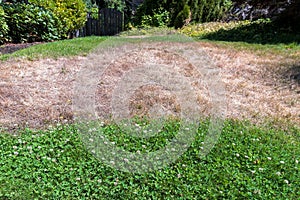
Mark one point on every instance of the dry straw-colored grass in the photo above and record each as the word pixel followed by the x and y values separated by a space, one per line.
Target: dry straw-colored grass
pixel 36 93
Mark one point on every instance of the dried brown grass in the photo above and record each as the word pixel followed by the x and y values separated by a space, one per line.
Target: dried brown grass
pixel 36 93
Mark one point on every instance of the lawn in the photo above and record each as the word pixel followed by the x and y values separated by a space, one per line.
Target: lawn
pixel 64 48
pixel 248 162
pixel 256 156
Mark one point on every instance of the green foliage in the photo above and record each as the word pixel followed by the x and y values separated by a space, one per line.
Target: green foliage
pixel 3 26
pixel 71 13
pixel 160 18
pixel 182 16
pixel 262 31
pixel 116 4
pixel 201 10
pixel 206 11
pixel 94 12
pixel 248 162
pixel 29 23
pixel 92 9
pixel 202 29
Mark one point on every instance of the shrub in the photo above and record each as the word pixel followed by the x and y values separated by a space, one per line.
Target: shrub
pixel 207 11
pixel 182 16
pixel 201 10
pixel 3 26
pixel 94 11
pixel 71 13
pixel 160 18
pixel 29 23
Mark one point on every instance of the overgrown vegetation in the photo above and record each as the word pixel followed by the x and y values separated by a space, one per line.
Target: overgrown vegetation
pixel 60 18
pixel 40 20
pixel 248 162
pixel 183 17
pixel 71 13
pixel 3 26
pixel 29 23
pixel 201 11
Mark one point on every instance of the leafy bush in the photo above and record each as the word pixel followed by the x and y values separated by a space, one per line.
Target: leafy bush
pixel 182 17
pixel 29 23
pixel 94 12
pixel 207 11
pixel 71 13
pixel 3 26
pixel 201 10
pixel 160 18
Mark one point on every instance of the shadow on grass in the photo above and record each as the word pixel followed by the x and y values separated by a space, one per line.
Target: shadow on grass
pixel 293 74
pixel 260 32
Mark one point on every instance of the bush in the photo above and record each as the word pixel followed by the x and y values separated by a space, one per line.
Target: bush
pixel 201 10
pixel 3 26
pixel 71 13
pixel 30 23
pixel 160 18
pixel 182 16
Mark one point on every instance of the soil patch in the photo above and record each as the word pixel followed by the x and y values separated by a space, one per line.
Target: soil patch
pixel 10 48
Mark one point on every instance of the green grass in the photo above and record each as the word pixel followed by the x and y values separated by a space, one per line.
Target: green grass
pixel 248 162
pixel 262 31
pixel 63 48
pixel 285 50
pixel 260 36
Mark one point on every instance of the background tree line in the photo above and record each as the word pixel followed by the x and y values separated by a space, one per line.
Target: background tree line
pixel 46 20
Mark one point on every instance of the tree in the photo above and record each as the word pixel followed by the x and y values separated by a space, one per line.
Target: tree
pixel 290 17
pixel 284 13
pixel 183 17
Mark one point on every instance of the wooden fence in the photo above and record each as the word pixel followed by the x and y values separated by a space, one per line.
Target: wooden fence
pixel 109 22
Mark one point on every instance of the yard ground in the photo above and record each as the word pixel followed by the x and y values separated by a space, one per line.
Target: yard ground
pixel 256 156
pixel 259 86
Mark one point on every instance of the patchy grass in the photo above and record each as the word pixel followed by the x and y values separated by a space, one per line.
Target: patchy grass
pixel 148 31
pixel 287 51
pixel 208 32
pixel 248 162
pixel 63 48
pixel 200 30
pixel 262 31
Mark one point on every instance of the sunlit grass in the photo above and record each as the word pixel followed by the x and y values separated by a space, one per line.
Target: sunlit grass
pixel 248 162
pixel 63 48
